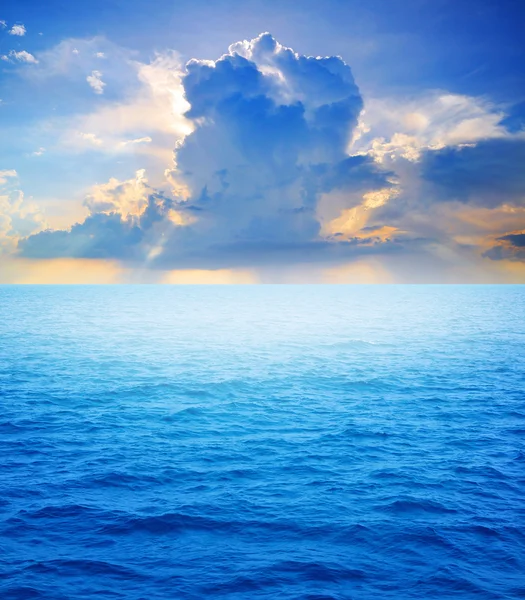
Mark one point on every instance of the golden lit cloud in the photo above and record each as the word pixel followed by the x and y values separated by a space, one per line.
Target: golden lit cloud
pixel 201 276
pixel 59 271
pixel 363 271
pixel 351 220
pixel 124 197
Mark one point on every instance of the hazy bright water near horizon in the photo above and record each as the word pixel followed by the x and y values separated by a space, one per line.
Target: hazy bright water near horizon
pixel 239 442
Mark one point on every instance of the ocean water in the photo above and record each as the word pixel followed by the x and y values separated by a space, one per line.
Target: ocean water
pixel 246 442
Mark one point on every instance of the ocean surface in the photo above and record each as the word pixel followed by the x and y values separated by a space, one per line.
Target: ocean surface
pixel 246 442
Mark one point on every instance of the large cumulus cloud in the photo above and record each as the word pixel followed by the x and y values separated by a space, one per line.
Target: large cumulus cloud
pixel 281 163
pixel 270 138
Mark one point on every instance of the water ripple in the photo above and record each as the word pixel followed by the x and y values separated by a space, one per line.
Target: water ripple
pixel 273 442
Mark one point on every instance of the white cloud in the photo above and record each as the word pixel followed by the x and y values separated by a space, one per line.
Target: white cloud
pixel 91 138
pixel 96 82
pixel 75 57
pixel 393 129
pixel 147 102
pixel 7 174
pixel 100 55
pixel 3 24
pixel 21 56
pixel 124 197
pixel 18 30
pixel 142 140
pixel 18 216
pixel 149 120
pixel 39 152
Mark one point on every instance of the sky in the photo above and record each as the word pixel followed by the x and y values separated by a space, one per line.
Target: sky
pixel 263 141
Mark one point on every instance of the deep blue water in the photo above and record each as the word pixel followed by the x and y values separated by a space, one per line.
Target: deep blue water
pixel 248 442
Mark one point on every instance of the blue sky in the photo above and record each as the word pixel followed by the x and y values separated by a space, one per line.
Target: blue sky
pixel 398 159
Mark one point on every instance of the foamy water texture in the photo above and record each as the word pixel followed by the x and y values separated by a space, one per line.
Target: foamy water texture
pixel 262 442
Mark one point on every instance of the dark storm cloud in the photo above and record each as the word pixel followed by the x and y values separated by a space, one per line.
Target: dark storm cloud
pixel 489 173
pixel 515 239
pixel 511 247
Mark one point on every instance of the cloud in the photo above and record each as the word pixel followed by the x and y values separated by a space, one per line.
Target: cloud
pixel 18 216
pixel 19 30
pixel 352 222
pixel 516 239
pixel 147 116
pixel 142 140
pixel 3 24
pixel 100 236
pixel 458 174
pixel 7 174
pixel 91 138
pixel 268 137
pixel 105 234
pixel 271 132
pixel 125 198
pixel 508 247
pixel 95 82
pixel 127 221
pixel 21 56
pixel 514 120
pixel 489 173
pixel 278 162
pixel 72 58
pixel 392 129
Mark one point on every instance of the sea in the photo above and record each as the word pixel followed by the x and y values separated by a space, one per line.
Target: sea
pixel 262 442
